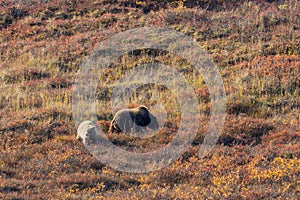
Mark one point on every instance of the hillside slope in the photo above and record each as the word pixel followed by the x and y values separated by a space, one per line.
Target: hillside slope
pixel 255 45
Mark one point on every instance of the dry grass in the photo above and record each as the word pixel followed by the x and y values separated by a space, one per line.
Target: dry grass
pixel 256 47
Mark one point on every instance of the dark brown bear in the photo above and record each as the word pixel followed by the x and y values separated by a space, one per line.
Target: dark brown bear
pixel 133 120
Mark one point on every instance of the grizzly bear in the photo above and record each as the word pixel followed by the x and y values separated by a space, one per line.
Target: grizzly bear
pixel 87 133
pixel 133 120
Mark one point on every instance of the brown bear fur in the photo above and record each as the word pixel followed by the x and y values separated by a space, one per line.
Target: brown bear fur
pixel 133 120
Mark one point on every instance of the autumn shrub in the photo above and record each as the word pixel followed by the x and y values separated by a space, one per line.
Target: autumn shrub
pixel 254 45
pixel 245 131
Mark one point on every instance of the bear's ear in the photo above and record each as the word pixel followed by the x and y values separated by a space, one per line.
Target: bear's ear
pixel 143 110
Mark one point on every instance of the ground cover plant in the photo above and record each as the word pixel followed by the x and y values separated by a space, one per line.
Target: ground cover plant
pixel 254 43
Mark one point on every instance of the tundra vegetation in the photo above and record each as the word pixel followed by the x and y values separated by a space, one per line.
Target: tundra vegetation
pixel 254 43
